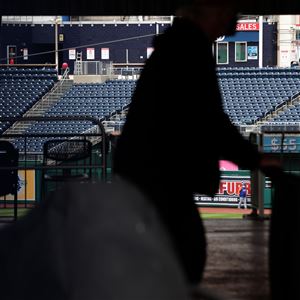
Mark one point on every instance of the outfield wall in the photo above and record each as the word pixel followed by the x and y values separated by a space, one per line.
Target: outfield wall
pixel 227 195
pixel 228 192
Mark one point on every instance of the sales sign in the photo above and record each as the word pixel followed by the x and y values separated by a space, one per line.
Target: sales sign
pixel 250 26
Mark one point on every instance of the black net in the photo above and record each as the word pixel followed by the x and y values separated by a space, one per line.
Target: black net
pixel 68 150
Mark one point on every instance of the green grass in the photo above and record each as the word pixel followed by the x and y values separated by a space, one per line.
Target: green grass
pixel 221 216
pixel 9 212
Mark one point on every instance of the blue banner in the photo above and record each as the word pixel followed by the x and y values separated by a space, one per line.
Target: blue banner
pixel 276 143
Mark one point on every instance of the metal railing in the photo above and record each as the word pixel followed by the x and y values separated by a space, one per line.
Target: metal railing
pixel 93 68
pixel 31 163
pixel 43 104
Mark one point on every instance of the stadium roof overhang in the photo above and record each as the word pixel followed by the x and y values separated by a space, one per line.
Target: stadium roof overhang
pixel 131 7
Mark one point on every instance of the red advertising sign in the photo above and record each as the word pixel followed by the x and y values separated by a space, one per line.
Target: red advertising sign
pixel 228 193
pixel 232 187
pixel 250 26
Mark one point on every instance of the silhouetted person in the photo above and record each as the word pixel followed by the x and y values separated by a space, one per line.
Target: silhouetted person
pixel 93 241
pixel 176 131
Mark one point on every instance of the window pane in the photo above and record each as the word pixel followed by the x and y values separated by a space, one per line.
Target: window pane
pixel 240 51
pixel 222 53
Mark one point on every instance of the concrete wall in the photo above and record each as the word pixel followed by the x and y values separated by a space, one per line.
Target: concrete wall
pixel 286 35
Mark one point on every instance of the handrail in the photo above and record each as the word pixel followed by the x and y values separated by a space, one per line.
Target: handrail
pixel 280 105
pixel 65 74
pixel 39 105
pixel 27 65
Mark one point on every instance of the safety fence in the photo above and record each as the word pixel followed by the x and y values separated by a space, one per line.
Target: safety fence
pixel 49 159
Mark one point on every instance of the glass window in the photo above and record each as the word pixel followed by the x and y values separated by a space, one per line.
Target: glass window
pixel 297 34
pixel 240 51
pixel 222 53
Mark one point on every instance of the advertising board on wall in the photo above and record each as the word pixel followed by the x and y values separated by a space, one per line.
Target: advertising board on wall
pixel 228 192
pixel 90 53
pixel 72 54
pixel 104 53
pixel 252 52
pixel 276 143
pixel 247 26
pixel 26 186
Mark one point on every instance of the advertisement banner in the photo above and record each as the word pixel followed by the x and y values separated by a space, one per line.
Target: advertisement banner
pixel 104 53
pixel 274 143
pixel 252 52
pixel 72 54
pixel 228 193
pixel 247 26
pixel 90 53
pixel 25 53
pixel 26 186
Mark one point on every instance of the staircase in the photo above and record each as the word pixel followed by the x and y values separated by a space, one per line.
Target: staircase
pixel 295 100
pixel 39 108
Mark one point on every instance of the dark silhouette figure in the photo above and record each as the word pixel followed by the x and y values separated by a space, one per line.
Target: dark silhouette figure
pixel 176 131
pixel 90 241
pixel 284 247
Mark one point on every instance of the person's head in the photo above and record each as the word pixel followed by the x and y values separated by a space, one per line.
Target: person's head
pixel 214 17
pixel 65 66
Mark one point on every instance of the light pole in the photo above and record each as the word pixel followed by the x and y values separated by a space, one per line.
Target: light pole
pixel 56 43
pixel 260 43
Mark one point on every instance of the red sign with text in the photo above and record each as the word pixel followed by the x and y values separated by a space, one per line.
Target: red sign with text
pixel 232 187
pixel 247 26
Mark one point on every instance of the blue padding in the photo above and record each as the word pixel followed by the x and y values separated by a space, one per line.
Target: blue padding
pixel 242 36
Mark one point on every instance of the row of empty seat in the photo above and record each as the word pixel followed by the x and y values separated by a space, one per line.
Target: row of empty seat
pixel 248 95
pixel 78 102
pixel 251 93
pixel 20 88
